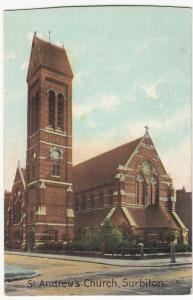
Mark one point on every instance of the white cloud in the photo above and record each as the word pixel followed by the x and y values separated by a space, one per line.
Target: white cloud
pixel 144 45
pixel 131 97
pixel 137 129
pixel 23 66
pixel 151 91
pixel 177 160
pixel 9 56
pixel 130 130
pixel 81 111
pixel 80 77
pixel 107 102
pixel 94 146
pixel 176 119
pixel 92 124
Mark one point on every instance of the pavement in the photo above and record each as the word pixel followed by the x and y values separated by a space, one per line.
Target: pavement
pixel 13 273
pixel 157 262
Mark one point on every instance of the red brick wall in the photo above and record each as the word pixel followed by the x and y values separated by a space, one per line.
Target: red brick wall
pixel 52 195
pixel 184 209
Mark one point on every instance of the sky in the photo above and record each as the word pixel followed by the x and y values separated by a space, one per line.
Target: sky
pixel 132 67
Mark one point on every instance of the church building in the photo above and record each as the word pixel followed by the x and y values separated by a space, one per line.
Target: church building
pixel 127 185
pixel 52 200
pixel 41 205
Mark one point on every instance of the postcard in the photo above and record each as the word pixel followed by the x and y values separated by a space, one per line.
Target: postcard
pixel 97 139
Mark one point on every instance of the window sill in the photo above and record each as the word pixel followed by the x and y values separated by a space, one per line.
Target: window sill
pixel 60 130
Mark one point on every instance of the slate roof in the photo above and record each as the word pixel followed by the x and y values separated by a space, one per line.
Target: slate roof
pixel 91 218
pixel 152 216
pixel 101 169
pixel 51 56
pixel 148 217
pixel 156 217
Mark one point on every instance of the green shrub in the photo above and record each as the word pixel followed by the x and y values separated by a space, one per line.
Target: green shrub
pixel 183 248
pixel 171 235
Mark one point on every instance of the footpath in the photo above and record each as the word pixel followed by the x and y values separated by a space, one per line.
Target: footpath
pixel 156 262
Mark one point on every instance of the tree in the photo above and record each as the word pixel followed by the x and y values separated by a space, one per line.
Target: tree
pixel 111 236
pixel 171 235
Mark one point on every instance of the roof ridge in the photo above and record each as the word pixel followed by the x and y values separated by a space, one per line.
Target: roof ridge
pixel 101 154
pixel 49 43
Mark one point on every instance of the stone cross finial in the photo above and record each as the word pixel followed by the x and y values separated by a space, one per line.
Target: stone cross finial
pixel 146 128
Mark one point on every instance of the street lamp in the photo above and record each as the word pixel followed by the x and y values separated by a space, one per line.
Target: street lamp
pixel 172 251
pixel 171 237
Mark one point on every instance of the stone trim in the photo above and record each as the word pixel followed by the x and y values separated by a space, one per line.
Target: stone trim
pixel 70 213
pixel 128 216
pixel 130 194
pixel 56 133
pixel 109 215
pixel 178 220
pixel 49 181
pixel 54 224
pixel 41 211
pixel 47 143
pixel 163 198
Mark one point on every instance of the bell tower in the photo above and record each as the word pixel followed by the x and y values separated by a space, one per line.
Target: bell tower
pixel 49 209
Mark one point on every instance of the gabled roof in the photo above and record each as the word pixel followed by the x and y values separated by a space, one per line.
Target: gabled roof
pixel 20 175
pixel 90 218
pixel 156 217
pixel 48 55
pixel 102 168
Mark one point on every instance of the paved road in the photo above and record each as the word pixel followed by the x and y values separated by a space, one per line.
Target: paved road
pixel 64 275
pixel 174 280
pixel 146 281
pixel 158 262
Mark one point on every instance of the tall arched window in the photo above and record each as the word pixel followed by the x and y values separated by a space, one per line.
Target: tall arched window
pixel 31 216
pixel 147 184
pixel 155 190
pixel 38 198
pixel 76 204
pixel 83 202
pixel 60 111
pixel 16 211
pixel 51 102
pixel 140 189
pixel 111 197
pixel 56 170
pixel 35 113
pixel 137 191
pixel 92 200
pixel 101 199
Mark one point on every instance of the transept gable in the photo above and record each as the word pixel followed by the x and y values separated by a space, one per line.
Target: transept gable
pixel 144 155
